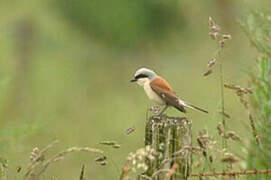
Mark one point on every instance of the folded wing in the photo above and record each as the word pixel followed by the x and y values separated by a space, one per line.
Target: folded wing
pixel 163 90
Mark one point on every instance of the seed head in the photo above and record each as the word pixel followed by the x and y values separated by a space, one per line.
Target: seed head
pixel 208 72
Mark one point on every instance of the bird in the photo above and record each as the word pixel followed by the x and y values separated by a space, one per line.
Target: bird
pixel 159 91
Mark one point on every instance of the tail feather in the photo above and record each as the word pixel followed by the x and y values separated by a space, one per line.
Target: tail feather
pixel 185 104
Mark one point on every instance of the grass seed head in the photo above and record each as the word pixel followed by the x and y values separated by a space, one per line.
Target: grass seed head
pixel 211 62
pixel 224 114
pixel 229 158
pixel 226 36
pixel 232 135
pixel 130 130
pixel 208 72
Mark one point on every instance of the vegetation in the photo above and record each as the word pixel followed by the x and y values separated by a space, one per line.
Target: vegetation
pixel 258 27
pixel 65 68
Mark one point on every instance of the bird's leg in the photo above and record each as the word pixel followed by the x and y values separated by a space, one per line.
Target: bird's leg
pixel 155 109
pixel 163 110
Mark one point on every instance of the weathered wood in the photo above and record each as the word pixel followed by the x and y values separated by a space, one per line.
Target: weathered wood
pixel 171 138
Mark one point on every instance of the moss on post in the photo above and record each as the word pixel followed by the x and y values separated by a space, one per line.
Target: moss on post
pixel 171 138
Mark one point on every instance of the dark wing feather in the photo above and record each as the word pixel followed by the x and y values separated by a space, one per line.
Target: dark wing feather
pixel 169 97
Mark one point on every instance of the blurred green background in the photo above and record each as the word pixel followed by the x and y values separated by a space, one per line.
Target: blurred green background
pixel 65 68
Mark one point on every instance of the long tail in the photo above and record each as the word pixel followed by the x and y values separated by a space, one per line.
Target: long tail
pixel 185 104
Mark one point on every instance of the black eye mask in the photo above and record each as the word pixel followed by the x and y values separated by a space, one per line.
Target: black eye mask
pixel 141 76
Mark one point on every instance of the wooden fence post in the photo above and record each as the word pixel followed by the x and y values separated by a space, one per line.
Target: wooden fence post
pixel 171 138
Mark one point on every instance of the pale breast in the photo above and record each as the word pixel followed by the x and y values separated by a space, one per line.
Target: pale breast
pixel 151 94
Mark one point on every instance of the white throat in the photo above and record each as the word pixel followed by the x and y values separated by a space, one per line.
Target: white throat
pixel 143 81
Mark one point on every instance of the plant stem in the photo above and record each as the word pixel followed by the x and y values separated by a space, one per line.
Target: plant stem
pixel 224 142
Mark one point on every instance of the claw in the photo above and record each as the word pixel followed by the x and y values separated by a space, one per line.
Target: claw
pixel 155 109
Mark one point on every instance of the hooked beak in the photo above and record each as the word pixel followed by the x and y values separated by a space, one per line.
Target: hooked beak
pixel 133 80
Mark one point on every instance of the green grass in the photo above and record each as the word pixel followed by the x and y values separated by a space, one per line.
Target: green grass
pixel 76 89
pixel 257 28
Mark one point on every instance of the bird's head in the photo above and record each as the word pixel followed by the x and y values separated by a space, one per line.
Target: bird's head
pixel 143 75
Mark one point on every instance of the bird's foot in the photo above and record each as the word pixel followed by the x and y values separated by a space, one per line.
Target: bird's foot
pixel 155 110
pixel 158 112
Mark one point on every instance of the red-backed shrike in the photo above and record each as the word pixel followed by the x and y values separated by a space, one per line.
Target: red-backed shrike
pixel 158 90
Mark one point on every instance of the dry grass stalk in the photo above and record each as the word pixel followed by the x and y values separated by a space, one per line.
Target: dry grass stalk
pixel 156 173
pixel 252 125
pixel 144 177
pixel 216 34
pixel 205 142
pixel 113 144
pixel 125 173
pixel 172 171
pixel 238 88
pixel 82 173
pixel 38 162
pixel 185 149
pixel 62 154
pixel 227 134
pixel 37 156
pixel 182 152
pixel 254 131
pixel 3 172
pixel 209 149
pixel 241 92
pixel 233 173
